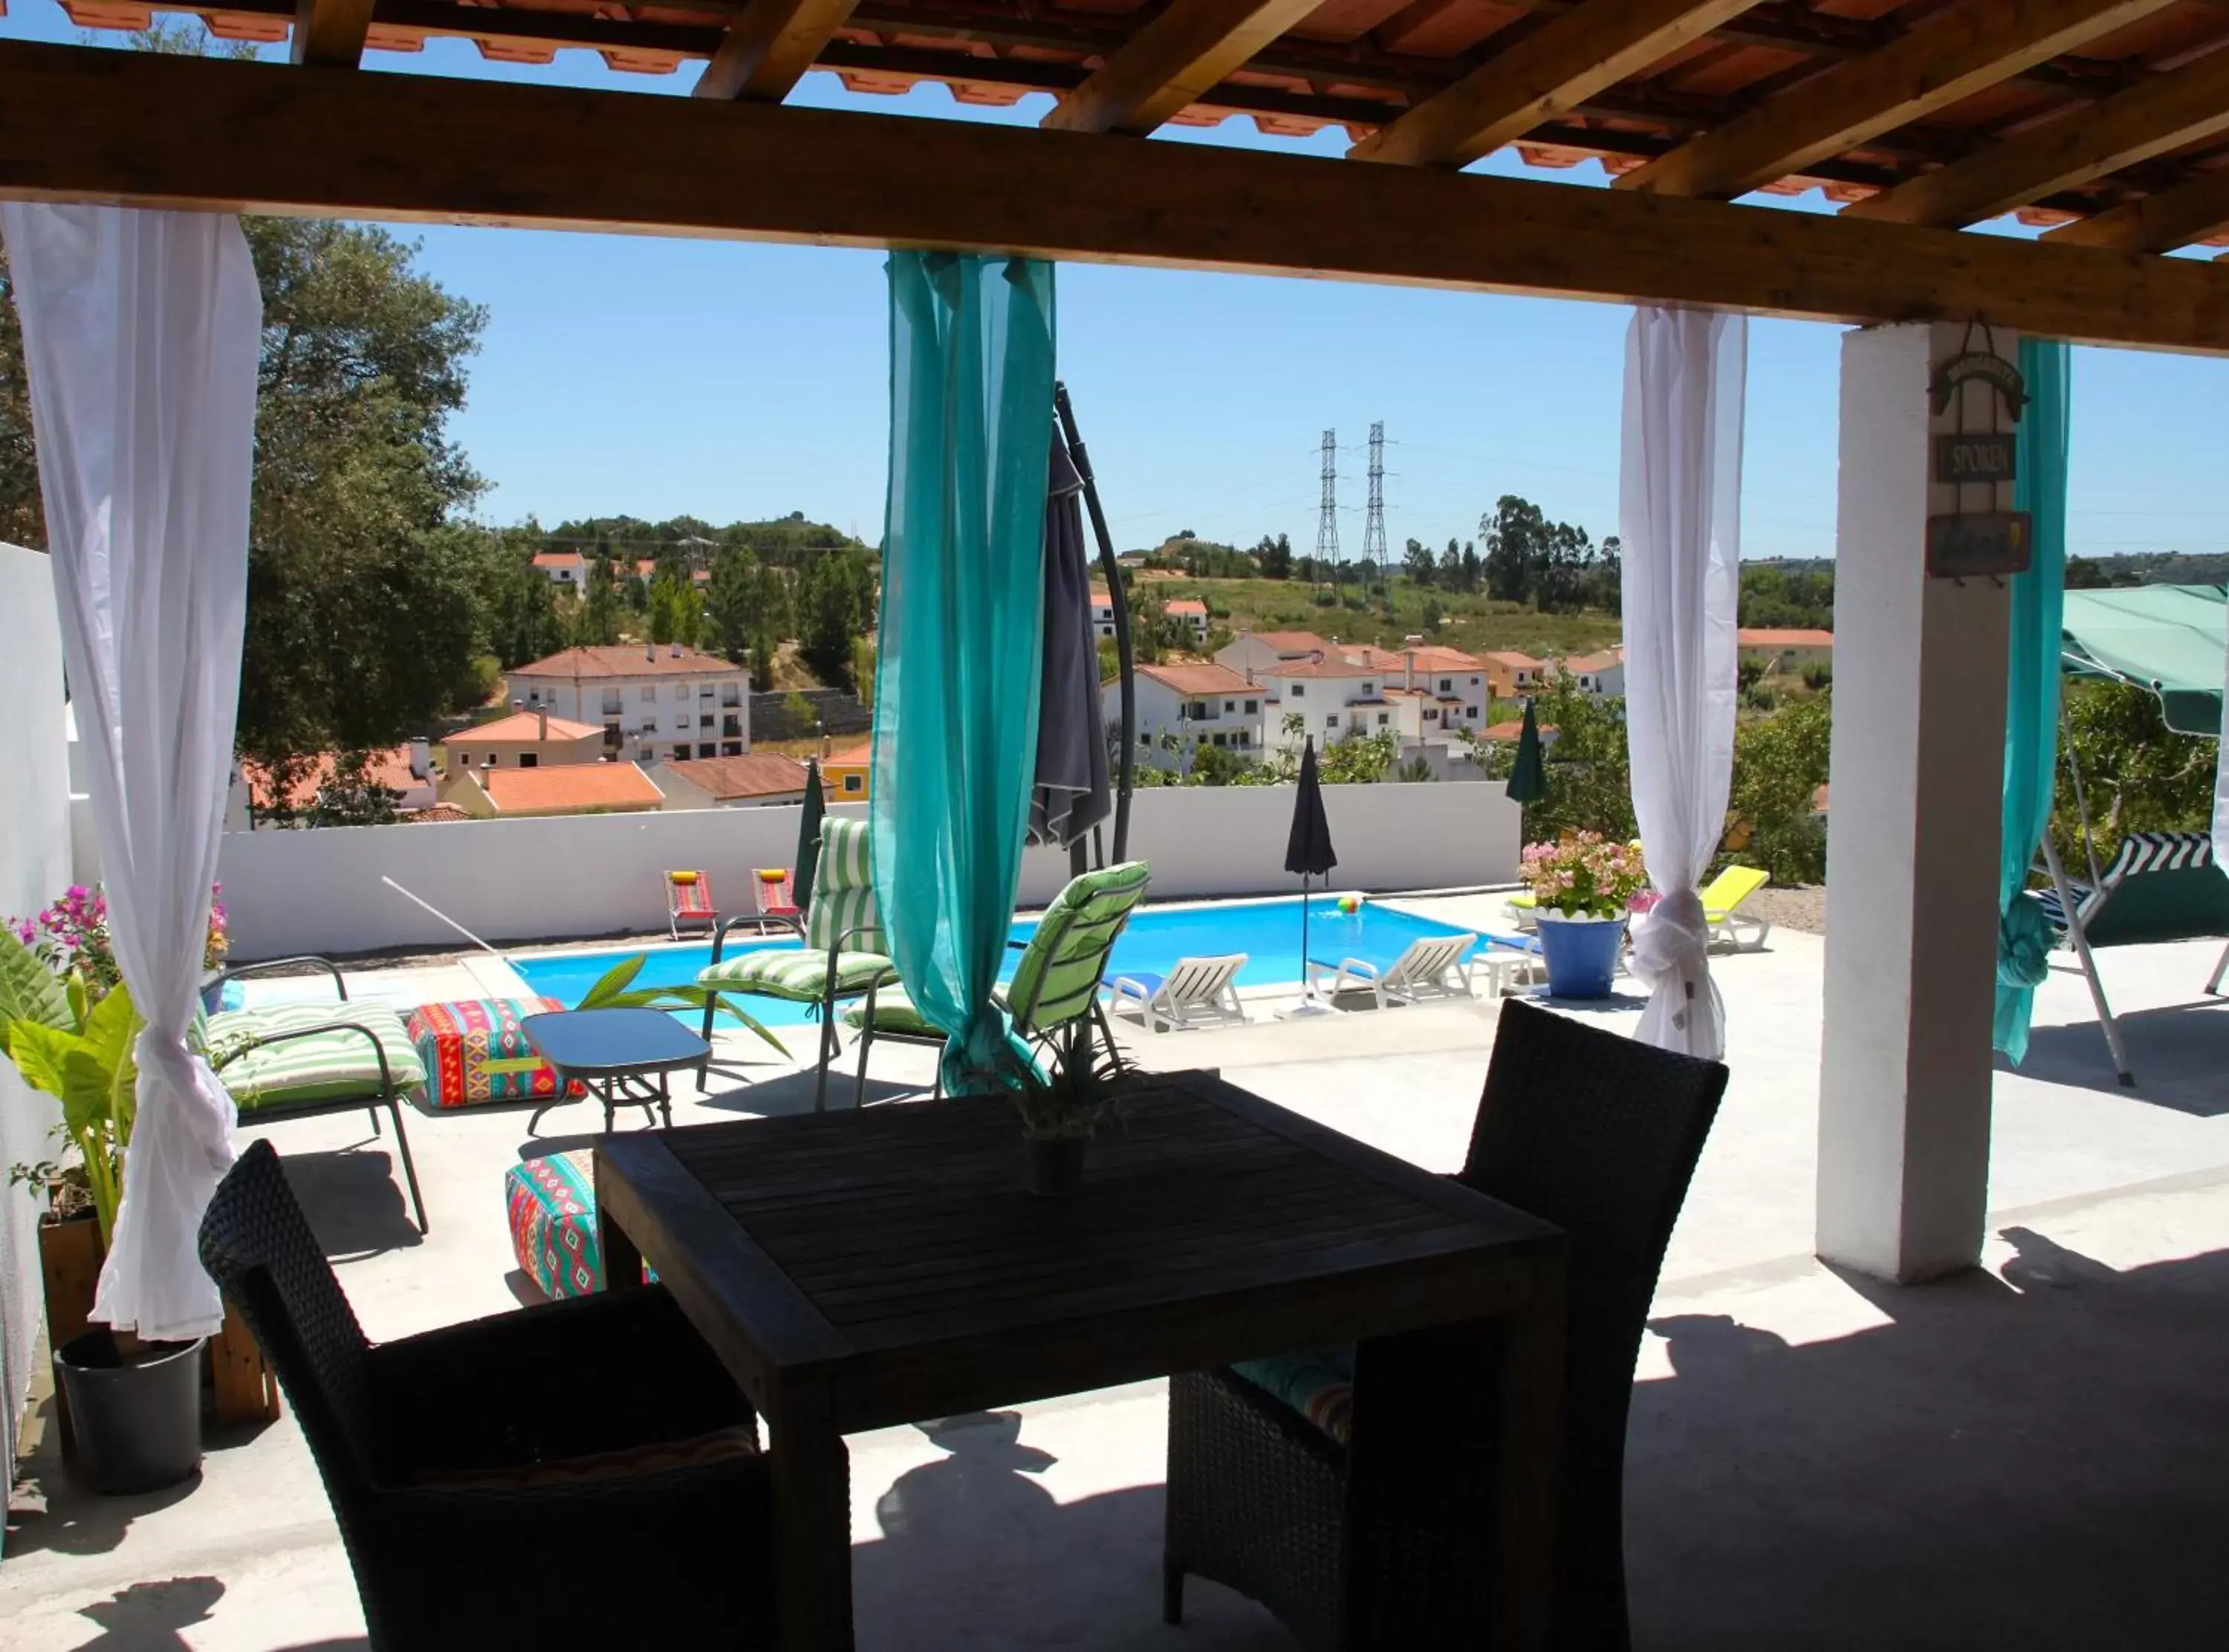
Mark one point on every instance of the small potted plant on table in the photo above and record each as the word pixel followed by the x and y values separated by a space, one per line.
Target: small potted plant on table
pixel 1583 884
pixel 1063 1110
pixel 67 1025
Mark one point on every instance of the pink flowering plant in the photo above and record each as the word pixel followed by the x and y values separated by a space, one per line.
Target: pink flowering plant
pixel 71 937
pixel 1584 875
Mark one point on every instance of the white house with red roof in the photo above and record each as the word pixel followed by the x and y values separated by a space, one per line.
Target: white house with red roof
pixel 569 570
pixel 1194 705
pixel 666 703
pixel 1189 613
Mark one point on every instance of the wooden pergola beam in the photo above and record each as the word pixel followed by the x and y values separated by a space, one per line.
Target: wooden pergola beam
pixel 2151 117
pixel 1550 71
pixel 1953 55
pixel 1188 48
pixel 769 46
pixel 2158 223
pixel 137 129
pixel 331 33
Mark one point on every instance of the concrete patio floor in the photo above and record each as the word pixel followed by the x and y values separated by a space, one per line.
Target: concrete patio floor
pixel 2030 1455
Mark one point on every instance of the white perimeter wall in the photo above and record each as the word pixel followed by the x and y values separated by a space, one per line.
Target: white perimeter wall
pixel 564 877
pixel 35 868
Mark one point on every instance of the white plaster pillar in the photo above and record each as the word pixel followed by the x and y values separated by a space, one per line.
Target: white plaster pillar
pixel 1917 778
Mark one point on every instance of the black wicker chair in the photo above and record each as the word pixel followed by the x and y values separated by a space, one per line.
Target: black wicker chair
pixel 584 1468
pixel 1594 1132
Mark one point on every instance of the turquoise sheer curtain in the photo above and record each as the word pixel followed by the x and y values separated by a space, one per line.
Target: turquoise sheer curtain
pixel 962 630
pixel 2038 603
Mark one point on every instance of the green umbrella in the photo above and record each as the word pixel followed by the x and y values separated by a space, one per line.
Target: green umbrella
pixel 1528 778
pixel 808 837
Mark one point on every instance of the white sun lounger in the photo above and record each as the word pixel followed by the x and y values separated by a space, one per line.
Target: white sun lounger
pixel 1438 966
pixel 1196 990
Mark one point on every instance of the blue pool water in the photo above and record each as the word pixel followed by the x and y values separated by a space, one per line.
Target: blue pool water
pixel 1268 931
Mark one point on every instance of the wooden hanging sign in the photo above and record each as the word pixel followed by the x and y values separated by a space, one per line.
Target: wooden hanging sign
pixel 1987 365
pixel 1979 544
pixel 1976 458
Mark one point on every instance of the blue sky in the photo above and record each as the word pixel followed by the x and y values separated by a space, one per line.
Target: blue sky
pixel 625 374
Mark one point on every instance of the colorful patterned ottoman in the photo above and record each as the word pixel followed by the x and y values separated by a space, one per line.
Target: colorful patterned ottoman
pixel 475 1053
pixel 552 1204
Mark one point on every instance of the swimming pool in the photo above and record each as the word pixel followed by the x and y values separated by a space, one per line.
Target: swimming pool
pixel 1268 931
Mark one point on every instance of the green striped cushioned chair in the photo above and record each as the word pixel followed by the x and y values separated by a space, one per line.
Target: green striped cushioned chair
pixel 1055 980
pixel 305 1060
pixel 838 959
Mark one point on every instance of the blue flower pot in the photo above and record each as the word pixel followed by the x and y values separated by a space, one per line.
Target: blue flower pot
pixel 1581 954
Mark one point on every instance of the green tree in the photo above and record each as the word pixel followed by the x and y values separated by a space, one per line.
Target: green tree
pixel 22 521
pixel 677 612
pixel 828 605
pixel 519 620
pixel 351 797
pixel 599 619
pixel 2137 774
pixel 1589 776
pixel 367 597
pixel 1780 762
pixel 1274 557
pixel 729 597
pixel 1416 561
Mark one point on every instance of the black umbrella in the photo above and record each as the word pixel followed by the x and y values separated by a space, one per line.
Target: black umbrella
pixel 808 837
pixel 1528 778
pixel 1308 850
pixel 1070 795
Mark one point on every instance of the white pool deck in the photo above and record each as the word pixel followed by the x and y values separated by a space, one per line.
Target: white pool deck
pixel 2030 1455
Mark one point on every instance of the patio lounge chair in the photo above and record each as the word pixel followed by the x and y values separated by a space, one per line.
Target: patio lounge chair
pixel 1056 979
pixel 689 900
pixel 775 889
pixel 307 1060
pixel 1196 990
pixel 464 1462
pixel 1330 1524
pixel 2161 887
pixel 826 970
pixel 1433 966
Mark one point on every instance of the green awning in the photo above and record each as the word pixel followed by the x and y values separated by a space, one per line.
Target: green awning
pixel 2168 638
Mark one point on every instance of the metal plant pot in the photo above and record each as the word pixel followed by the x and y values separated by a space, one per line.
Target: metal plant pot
pixel 136 1417
pixel 1056 1164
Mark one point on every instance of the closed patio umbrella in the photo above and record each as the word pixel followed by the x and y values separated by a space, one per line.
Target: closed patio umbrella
pixel 808 837
pixel 1309 852
pixel 1070 796
pixel 1528 778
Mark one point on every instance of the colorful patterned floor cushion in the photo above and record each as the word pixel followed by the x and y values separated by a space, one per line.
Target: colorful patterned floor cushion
pixel 475 1052
pixel 326 1066
pixel 1317 1383
pixel 551 1201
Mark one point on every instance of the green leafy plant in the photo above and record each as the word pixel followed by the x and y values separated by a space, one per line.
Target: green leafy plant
pixel 616 991
pixel 77 1047
pixel 1083 1090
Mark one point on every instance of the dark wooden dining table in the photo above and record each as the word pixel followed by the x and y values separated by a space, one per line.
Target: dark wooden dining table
pixel 861 1269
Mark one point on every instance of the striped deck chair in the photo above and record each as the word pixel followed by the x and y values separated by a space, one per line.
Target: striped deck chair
pixel 2161 887
pixel 775 889
pixel 1056 979
pixel 841 959
pixel 306 1060
pixel 689 900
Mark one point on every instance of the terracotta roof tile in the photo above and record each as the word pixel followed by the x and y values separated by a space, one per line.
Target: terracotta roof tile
pixel 1775 636
pixel 389 768
pixel 623 661
pixel 1198 679
pixel 527 725
pixel 570 787
pixel 757 774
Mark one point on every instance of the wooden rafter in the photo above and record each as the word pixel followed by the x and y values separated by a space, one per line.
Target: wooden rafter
pixel 331 33
pixel 769 46
pixel 2151 117
pixel 1551 72
pixel 139 129
pixel 2158 223
pixel 1953 55
pixel 1188 48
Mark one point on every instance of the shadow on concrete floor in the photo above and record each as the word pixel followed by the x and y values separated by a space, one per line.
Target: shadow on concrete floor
pixel 68 1521
pixel 975 1553
pixel 355 1199
pixel 2178 1053
pixel 2037 1464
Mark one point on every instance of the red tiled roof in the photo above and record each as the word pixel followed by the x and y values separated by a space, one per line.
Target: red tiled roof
pixel 1322 668
pixel 858 757
pixel 1198 679
pixel 558 559
pixel 623 661
pixel 758 774
pixel 1602 662
pixel 1510 657
pixel 389 768
pixel 1187 606
pixel 439 811
pixel 1511 731
pixel 570 786
pixel 1294 642
pixel 527 725
pixel 1773 637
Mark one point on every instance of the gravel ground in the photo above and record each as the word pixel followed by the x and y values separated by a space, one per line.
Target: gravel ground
pixel 1791 906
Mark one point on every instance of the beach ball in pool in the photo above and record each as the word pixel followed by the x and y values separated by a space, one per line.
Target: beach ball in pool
pixel 1350 905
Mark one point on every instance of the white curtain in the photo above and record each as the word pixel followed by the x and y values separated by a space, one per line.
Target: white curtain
pixel 1679 517
pixel 141 331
